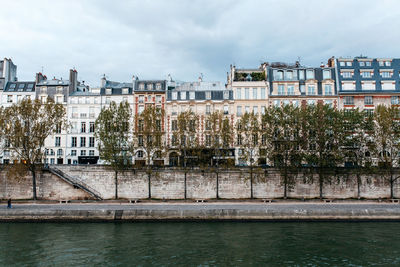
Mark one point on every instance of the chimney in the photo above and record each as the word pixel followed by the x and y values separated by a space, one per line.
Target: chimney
pixel 73 80
pixel 103 81
pixel 39 77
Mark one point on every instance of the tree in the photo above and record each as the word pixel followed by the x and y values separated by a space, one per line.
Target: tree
pixel 248 132
pixel 25 126
pixel 112 131
pixel 323 135
pixel 149 137
pixel 185 139
pixel 386 136
pixel 282 134
pixel 356 144
pixel 218 141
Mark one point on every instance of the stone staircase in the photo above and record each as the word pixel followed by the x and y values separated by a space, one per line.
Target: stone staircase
pixel 76 182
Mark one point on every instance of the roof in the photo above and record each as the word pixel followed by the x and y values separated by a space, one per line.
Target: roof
pixel 20 87
pixel 200 86
pixel 150 85
pixel 54 82
pixel 111 84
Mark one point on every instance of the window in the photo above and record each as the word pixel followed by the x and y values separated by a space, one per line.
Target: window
pixel 281 89
pixel 286 102
pixel 108 100
pixel 255 93
pixel 329 103
pixel 348 100
pixel 108 91
pixel 255 110
pixel 368 112
pixel 226 95
pixel 91 141
pixel 91 127
pixel 141 86
pixel 328 89
pixel 238 93
pixel 262 93
pixel 289 75
pixel 208 95
pixel 174 125
pixel 347 74
pixel 394 100
pixel 91 152
pixel 208 109
pixel 342 63
pixel 226 109
pixel 277 103
pixel 59 152
pixel 311 90
pixel 83 127
pixel 386 74
pixel 58 128
pixel 388 85
pixel 192 95
pixel 239 111
pixel 362 64
pixel 83 152
pixel 263 108
pixel 183 95
pixel 246 93
pixel 310 74
pixel 9 99
pixel 368 63
pixel 149 86
pixel 348 63
pixel 368 85
pixel 158 86
pixel 83 141
pixel 368 100
pixel 348 86
pixel 73 141
pixel 141 108
pixel 326 74
pixel 311 102
pixel 302 88
pixel 301 74
pixel 247 109
pixel 58 141
pixel 290 90
pixel 366 74
pixel 279 75
pixel 73 152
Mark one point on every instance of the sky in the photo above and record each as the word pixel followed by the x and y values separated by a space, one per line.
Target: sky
pixel 151 39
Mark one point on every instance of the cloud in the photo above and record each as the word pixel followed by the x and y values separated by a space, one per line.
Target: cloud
pixel 184 38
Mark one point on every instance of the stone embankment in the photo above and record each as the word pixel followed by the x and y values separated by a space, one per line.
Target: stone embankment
pixel 202 212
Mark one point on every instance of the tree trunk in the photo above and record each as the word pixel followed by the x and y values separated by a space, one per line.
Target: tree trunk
pixel 391 185
pixel 251 182
pixel 321 183
pixel 217 186
pixel 34 184
pixel 185 185
pixel 149 183
pixel 358 186
pixel 116 184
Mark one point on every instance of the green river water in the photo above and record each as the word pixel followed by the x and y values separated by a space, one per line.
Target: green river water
pixel 200 244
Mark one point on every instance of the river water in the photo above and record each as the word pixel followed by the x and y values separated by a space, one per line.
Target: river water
pixel 200 244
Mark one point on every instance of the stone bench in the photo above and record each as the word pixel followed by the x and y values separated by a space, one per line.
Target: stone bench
pixel 395 200
pixel 64 201
pixel 328 200
pixel 200 200
pixel 134 200
pixel 267 200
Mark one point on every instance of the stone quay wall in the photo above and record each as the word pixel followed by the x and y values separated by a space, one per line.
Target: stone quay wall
pixel 169 183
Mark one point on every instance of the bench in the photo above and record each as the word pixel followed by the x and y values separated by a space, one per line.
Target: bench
pixel 328 200
pixel 394 200
pixel 200 200
pixel 64 201
pixel 134 200
pixel 267 200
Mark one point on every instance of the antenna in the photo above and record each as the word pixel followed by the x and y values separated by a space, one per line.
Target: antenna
pixel 42 69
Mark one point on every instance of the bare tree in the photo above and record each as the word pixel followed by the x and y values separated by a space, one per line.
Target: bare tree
pixel 112 130
pixel 25 126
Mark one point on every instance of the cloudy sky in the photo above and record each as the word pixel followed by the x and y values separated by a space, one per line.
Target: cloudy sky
pixel 152 39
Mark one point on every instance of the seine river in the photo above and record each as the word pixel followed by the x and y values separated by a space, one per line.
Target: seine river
pixel 200 244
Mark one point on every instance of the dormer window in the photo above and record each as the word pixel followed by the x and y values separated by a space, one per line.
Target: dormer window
pixel 192 95
pixel 141 86
pixel 108 91
pixel 183 95
pixel 43 90
pixel 208 95
pixel 226 95
pixel 174 95
pixel 125 91
pixel 149 86
pixel 310 74
pixel 158 86
pixel 21 86
pixel 326 74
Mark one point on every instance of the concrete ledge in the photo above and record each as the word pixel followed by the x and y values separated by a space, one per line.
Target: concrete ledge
pixel 201 212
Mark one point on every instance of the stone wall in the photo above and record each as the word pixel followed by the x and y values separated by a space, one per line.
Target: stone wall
pixel 170 184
